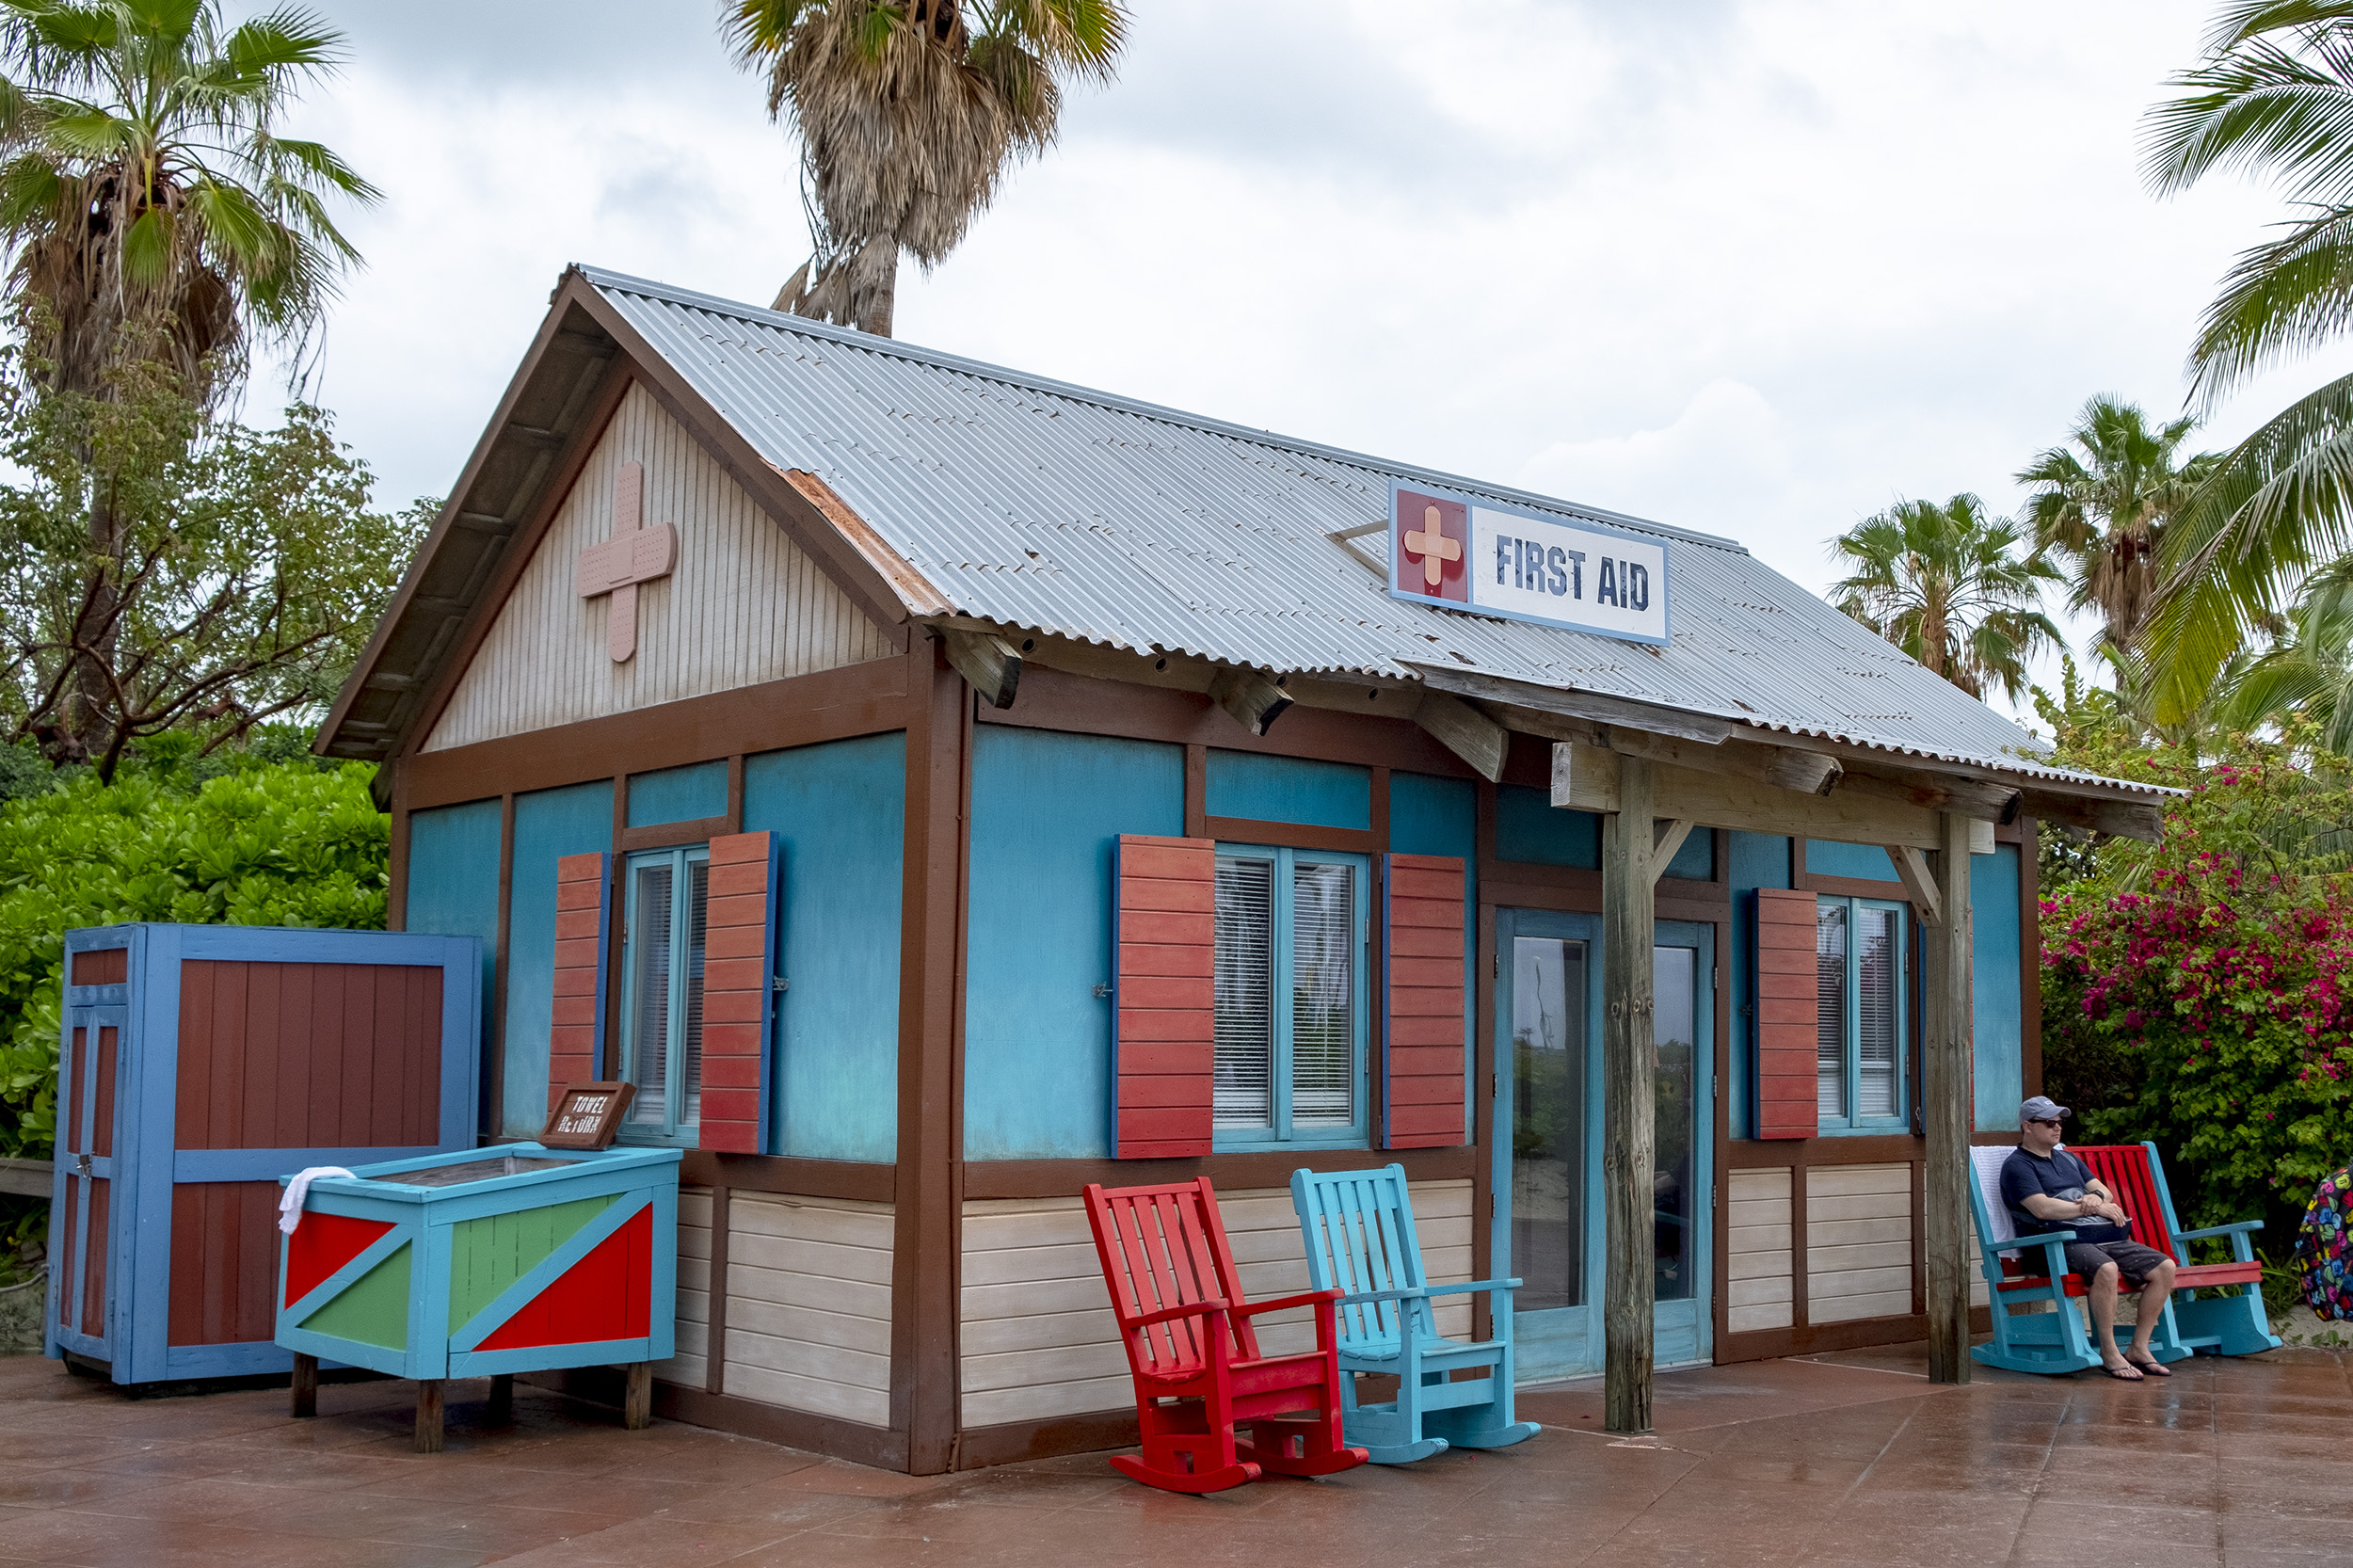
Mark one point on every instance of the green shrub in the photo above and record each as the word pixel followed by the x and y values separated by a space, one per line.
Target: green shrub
pixel 293 843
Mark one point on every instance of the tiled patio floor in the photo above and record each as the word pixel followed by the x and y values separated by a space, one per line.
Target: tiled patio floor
pixel 1852 1459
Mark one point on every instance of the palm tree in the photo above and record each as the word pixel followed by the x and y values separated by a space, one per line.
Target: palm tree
pixel 2102 501
pixel 148 206
pixel 1942 583
pixel 2309 674
pixel 2273 97
pixel 910 112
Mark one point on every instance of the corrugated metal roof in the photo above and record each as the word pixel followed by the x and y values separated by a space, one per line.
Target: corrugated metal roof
pixel 1046 506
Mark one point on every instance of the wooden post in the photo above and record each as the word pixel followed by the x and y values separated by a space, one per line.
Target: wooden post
pixel 1629 1067
pixel 637 1397
pixel 306 1385
pixel 501 1410
pixel 1949 1089
pixel 429 1415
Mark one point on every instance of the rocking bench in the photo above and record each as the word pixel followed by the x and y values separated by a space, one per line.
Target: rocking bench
pixel 1194 1356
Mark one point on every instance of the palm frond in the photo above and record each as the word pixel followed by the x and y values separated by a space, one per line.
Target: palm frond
pixel 2288 296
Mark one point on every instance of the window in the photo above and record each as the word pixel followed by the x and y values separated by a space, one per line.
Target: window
pixel 1290 997
pixel 662 992
pixel 1859 960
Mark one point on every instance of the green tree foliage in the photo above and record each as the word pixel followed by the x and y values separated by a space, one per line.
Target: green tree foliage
pixel 1944 582
pixel 294 844
pixel 910 112
pixel 245 570
pixel 2308 674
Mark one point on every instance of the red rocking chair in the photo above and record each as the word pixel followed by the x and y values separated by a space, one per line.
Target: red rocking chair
pixel 1195 1360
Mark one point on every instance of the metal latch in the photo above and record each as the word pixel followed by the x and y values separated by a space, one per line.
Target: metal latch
pixel 1102 991
pixel 777 982
pixel 81 1164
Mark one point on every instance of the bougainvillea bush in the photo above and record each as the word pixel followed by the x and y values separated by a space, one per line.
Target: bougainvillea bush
pixel 2195 992
pixel 292 844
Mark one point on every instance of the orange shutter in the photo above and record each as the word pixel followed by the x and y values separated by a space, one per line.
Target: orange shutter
pixel 583 927
pixel 1164 995
pixel 1422 1033
pixel 1788 1017
pixel 740 935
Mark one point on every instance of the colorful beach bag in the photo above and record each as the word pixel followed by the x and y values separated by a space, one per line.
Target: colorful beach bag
pixel 2324 1249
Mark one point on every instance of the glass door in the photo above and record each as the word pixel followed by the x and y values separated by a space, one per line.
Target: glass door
pixel 1549 1214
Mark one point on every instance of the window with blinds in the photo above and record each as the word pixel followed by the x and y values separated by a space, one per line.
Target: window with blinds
pixel 662 1010
pixel 1859 948
pixel 1291 999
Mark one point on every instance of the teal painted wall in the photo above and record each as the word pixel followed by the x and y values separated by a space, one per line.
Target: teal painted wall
pixel 548 824
pixel 1530 827
pixel 1047 808
pixel 454 889
pixel 678 795
pixel 1827 857
pixel 1285 789
pixel 1758 861
pixel 1696 860
pixel 1998 993
pixel 840 811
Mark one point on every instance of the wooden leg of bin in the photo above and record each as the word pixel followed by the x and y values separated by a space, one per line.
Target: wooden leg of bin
pixel 502 1411
pixel 637 1402
pixel 429 1415
pixel 306 1385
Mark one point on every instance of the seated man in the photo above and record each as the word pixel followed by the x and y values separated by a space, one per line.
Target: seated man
pixel 2047 1189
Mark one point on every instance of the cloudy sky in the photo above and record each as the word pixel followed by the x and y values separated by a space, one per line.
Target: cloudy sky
pixel 1755 268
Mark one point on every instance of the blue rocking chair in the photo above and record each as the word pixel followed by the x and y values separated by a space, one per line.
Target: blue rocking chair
pixel 1358 1226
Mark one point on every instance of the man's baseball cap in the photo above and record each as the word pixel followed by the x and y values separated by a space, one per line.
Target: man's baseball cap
pixel 2042 1109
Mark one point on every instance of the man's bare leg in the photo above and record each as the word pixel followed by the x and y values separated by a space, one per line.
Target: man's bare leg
pixel 2100 1295
pixel 2153 1298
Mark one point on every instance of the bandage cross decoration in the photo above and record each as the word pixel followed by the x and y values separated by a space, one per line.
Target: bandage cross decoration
pixel 1431 544
pixel 634 555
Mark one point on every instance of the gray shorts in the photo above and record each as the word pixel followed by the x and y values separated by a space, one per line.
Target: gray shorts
pixel 2133 1261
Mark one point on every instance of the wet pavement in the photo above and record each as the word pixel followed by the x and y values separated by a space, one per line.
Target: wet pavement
pixel 1836 1462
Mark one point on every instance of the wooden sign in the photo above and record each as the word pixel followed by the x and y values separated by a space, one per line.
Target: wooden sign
pixel 587 1116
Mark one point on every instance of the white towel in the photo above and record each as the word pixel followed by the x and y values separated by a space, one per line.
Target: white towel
pixel 290 1207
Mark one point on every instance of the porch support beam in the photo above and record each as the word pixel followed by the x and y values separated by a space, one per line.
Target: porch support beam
pixel 1912 869
pixel 990 664
pixel 1629 1068
pixel 1466 732
pixel 1249 698
pixel 1586 778
pixel 1950 1097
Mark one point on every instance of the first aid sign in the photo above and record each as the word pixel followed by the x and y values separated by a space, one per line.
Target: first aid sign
pixel 1463 554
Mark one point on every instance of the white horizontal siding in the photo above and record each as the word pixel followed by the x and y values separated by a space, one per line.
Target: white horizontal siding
pixel 1038 1338
pixel 1760 1291
pixel 688 1366
pixel 743 604
pixel 1858 1241
pixel 808 1305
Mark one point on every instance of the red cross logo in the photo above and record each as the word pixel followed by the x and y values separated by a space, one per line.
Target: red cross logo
pixel 634 555
pixel 1430 548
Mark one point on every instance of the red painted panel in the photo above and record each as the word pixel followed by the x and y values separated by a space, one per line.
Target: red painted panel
pixel 1788 1015
pixel 74 1092
pixel 94 1256
pixel 1165 964
pixel 101 1132
pixel 606 1295
pixel 101 967
pixel 279 1055
pixel 323 1243
pixel 582 888
pixel 73 1213
pixel 1423 1034
pixel 736 1001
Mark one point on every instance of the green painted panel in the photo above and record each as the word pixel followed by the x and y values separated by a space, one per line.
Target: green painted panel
pixel 487 1255
pixel 373 1310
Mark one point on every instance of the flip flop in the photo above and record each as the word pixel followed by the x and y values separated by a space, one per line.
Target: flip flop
pixel 2126 1373
pixel 2151 1369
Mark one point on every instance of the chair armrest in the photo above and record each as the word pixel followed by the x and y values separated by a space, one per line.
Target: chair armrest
pixel 2239 1230
pixel 1190 1309
pixel 1310 1298
pixel 1424 1292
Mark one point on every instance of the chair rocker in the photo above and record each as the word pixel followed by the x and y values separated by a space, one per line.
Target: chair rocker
pixel 1194 1356
pixel 1358 1226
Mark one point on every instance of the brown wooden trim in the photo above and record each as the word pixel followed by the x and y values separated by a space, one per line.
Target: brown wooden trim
pixel 1229 1173
pixel 1759 1154
pixel 1995 1140
pixel 611 1063
pixel 1919 1236
pixel 715 1299
pixel 669 835
pixel 735 793
pixel 2029 955
pixel 1196 790
pixel 792 1429
pixel 494 1006
pixel 1800 882
pixel 1381 811
pixel 866 698
pixel 1856 887
pixel 1485 1071
pixel 854 1180
pixel 1015 1441
pixel 1801 1267
pixel 451 666
pixel 1722 966
pixel 927 1220
pixel 397 872
pixel 1057 700
pixel 1245 830
pixel 1770 1344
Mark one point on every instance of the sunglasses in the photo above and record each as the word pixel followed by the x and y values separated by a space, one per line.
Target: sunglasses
pixel 2043 1121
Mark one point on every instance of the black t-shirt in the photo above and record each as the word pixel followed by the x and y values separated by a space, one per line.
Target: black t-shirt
pixel 2062 1176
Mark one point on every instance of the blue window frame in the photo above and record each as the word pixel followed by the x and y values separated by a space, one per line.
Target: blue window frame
pixel 662 993
pixel 1291 997
pixel 1860 946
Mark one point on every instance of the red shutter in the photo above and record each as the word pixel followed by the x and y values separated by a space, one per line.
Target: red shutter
pixel 1422 1032
pixel 1164 995
pixel 584 925
pixel 739 959
pixel 1787 1016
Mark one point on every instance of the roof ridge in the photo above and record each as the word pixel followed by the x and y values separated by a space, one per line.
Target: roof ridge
pixel 849 337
